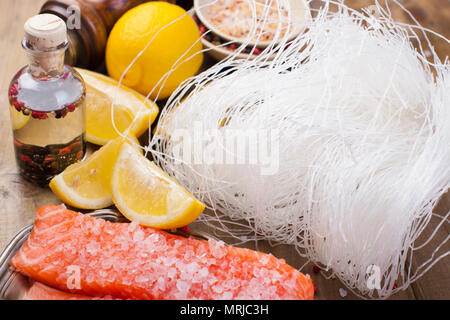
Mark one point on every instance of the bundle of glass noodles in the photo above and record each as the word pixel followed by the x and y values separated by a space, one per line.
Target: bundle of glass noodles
pixel 355 125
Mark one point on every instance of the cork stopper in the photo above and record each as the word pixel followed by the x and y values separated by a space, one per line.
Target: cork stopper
pixel 45 31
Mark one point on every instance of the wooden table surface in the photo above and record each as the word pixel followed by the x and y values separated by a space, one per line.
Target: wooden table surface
pixel 19 199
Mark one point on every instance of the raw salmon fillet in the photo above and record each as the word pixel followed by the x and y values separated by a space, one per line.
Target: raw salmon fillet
pixel 39 291
pixel 128 261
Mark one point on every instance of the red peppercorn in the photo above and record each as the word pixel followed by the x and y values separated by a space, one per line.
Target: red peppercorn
pixel 42 115
pixel 64 112
pixel 232 46
pixel 25 158
pixel 256 51
pixel 316 268
pixel 315 288
pixel 74 145
pixel 395 286
pixel 13 92
pixel 39 115
pixel 64 151
pixel 17 143
pixel 71 107
pixel 185 229
pixel 17 106
pixel 202 28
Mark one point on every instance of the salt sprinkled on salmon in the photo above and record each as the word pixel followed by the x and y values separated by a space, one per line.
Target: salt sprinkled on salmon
pixel 128 261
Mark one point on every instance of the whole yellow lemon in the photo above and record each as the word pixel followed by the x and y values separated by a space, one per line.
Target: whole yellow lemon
pixel 173 43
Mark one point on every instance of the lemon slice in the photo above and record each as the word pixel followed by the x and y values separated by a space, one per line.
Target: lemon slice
pixel 144 193
pixel 130 111
pixel 87 185
pixel 18 119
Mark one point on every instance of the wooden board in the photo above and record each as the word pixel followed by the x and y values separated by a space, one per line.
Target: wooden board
pixel 19 199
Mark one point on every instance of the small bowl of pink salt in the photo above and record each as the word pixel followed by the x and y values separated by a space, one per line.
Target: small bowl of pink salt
pixel 256 23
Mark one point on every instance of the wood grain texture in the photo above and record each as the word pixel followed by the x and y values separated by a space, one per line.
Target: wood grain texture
pixel 19 199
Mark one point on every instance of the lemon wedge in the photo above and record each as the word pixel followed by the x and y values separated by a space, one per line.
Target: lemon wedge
pixel 131 111
pixel 144 193
pixel 18 119
pixel 87 185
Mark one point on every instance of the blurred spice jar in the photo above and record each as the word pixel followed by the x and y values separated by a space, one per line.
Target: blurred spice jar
pixel 89 23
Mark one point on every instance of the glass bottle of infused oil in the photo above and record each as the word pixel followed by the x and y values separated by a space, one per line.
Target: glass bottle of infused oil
pixel 46 103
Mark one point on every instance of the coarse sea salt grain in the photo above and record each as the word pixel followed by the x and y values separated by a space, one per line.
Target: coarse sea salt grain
pixel 203 272
pixel 218 288
pixel 160 284
pixel 226 296
pixel 171 273
pixel 132 226
pixel 183 286
pixel 96 227
pixel 192 267
pixel 91 248
pixel 108 229
pixel 138 235
pixel 217 248
pixel 342 292
pixel 265 259
pixel 107 263
pixel 141 279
